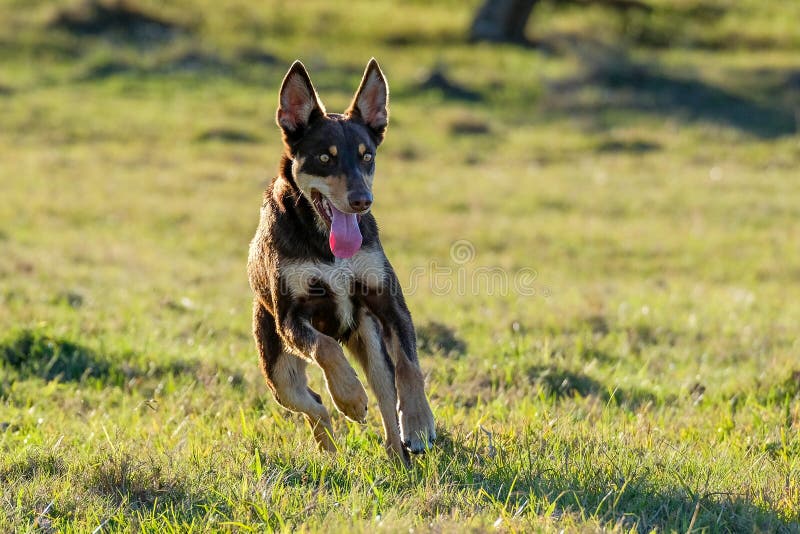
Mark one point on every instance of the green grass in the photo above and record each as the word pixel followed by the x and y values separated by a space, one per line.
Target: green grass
pixel 644 180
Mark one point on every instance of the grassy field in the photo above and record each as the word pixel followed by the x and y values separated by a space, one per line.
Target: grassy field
pixel 599 237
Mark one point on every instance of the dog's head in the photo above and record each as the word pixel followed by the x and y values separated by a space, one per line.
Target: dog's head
pixel 333 156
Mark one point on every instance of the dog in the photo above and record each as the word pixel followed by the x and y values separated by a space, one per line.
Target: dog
pixel 321 279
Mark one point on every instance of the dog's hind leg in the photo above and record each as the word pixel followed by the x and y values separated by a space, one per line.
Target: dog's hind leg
pixel 290 385
pixel 285 374
pixel 367 345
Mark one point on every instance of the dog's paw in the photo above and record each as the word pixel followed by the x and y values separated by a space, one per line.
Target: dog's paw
pixel 417 430
pixel 343 384
pixel 348 394
pixel 398 453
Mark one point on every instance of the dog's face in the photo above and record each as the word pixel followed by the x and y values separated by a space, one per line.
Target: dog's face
pixel 333 156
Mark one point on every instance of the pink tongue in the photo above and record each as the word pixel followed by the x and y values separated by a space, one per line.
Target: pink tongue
pixel 345 238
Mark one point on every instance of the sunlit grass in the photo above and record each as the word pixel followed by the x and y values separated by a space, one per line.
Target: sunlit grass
pixel 649 380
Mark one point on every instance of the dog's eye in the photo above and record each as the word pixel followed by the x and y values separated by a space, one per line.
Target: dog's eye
pixel 367 157
pixel 324 158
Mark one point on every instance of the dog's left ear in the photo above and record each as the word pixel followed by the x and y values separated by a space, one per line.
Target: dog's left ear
pixel 370 104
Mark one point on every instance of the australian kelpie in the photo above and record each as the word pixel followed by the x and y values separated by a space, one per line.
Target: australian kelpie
pixel 320 275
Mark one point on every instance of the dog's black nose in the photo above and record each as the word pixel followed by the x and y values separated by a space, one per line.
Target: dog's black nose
pixel 360 201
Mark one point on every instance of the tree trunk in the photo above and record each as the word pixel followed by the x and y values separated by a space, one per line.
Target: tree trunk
pixel 502 21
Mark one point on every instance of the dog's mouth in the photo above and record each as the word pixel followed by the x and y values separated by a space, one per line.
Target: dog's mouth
pixel 345 235
pixel 323 206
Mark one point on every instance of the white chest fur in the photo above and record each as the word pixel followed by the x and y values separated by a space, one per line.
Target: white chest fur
pixel 303 278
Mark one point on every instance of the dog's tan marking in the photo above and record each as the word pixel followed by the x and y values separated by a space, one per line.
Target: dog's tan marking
pixel 333 150
pixel 337 185
pixel 361 149
pixel 296 164
pixel 369 178
pixel 334 188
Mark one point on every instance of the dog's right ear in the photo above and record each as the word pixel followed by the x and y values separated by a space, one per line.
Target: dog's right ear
pixel 298 104
pixel 372 97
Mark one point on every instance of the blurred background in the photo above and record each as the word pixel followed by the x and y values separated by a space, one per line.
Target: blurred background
pixel 636 159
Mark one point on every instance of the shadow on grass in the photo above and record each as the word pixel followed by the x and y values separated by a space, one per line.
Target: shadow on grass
pixel 119 21
pixel 550 382
pixel 645 506
pixel 561 384
pixel 32 353
pixel 631 85
pixel 637 146
pixel 438 338
pixel 438 81
pixel 35 354
pixel 195 63
pixel 227 135
pixel 36 462
pixel 135 483
pixel 592 479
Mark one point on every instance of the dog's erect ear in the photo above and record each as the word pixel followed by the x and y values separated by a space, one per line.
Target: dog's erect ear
pixel 298 103
pixel 372 98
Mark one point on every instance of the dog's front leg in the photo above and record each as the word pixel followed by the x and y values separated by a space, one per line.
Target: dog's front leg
pixel 416 418
pixel 343 384
pixel 367 345
pixel 417 427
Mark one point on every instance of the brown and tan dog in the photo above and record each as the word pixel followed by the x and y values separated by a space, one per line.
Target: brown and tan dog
pixel 320 275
